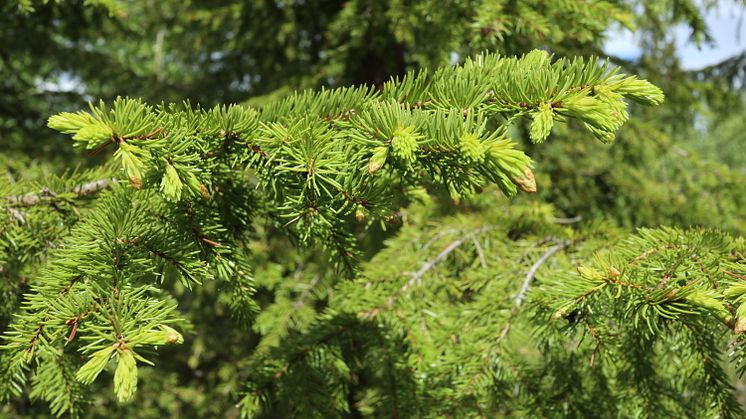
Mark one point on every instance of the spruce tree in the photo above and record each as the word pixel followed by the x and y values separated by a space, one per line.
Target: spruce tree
pixel 370 250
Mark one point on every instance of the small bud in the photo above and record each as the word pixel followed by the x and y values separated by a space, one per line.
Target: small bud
pixel 527 182
pixel 582 270
pixel 172 336
pixel 614 272
pixel 605 136
pixel 136 182
pixel 594 112
pixel 641 91
pixel 537 58
pixel 559 313
pixel 705 300
pixel 360 213
pixel 393 219
pixel 736 290
pixel 70 123
pixel 93 135
pixel 615 100
pixel 590 273
pixel 165 335
pixel 130 162
pixel 582 103
pixel 378 159
pixel 193 183
pixel 740 326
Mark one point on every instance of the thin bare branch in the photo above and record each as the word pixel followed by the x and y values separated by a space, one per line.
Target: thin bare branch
pixel 45 194
pixel 518 300
pixel 480 252
pixel 417 276
pixel 534 268
pixel 570 220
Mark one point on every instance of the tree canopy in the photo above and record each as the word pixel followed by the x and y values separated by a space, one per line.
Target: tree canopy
pixel 367 209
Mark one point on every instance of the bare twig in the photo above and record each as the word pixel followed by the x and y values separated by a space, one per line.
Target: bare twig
pixel 438 236
pixel 480 252
pixel 11 179
pixel 534 268
pixel 90 188
pixel 518 300
pixel 570 220
pixel 417 276
pixel 306 292
pixel 735 275
pixel 82 190
pixel 18 215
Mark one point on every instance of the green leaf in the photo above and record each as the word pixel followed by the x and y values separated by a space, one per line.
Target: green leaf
pixel 171 184
pixel 541 126
pixel 404 143
pixel 70 123
pixel 125 377
pixel 91 369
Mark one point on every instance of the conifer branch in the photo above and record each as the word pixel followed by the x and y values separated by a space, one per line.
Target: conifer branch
pixel 198 178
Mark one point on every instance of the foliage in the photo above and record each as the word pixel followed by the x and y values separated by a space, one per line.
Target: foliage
pixel 350 251
pixel 316 158
pixel 453 332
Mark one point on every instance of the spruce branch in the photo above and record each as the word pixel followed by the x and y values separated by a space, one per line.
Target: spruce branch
pixel 312 162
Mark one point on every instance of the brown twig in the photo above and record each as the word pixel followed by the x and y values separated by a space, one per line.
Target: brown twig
pixel 735 275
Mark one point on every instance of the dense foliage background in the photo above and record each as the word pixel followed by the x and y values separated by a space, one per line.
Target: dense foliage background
pixel 681 165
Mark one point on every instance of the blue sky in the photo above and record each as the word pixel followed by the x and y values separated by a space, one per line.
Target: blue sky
pixel 725 27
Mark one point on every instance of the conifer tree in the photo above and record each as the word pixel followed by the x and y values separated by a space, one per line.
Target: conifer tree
pixel 365 250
